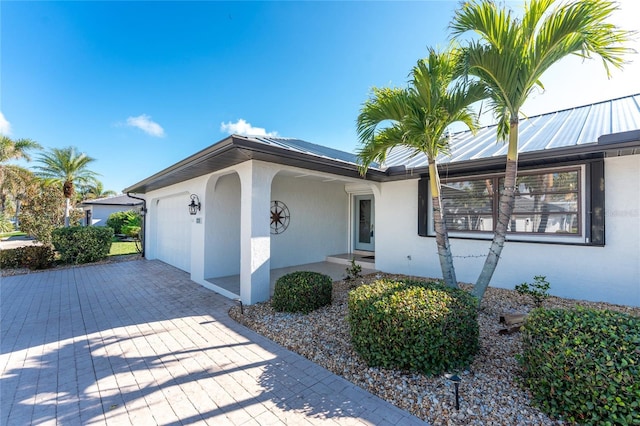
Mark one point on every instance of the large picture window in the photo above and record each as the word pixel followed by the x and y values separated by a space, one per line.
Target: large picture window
pixel 560 204
pixel 546 203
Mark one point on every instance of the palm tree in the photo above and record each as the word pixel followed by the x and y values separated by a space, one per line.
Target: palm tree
pixel 510 55
pixel 66 167
pixel 16 149
pixel 94 191
pixel 15 184
pixel 14 178
pixel 418 118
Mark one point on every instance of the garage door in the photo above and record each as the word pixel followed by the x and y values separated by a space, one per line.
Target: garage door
pixel 173 234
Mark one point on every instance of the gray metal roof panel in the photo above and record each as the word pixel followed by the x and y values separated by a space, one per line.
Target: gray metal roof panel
pixel 308 148
pixel 570 133
pixel 562 129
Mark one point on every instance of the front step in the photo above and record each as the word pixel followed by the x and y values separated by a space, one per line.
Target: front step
pixel 345 259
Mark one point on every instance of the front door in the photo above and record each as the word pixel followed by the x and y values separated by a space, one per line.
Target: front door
pixel 364 223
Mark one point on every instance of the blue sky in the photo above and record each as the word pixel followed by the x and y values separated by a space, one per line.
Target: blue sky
pixel 142 85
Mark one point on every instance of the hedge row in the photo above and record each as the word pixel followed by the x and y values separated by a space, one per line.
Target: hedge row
pixel 32 257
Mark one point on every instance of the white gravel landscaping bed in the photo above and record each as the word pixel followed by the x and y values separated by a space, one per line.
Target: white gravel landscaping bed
pixel 490 393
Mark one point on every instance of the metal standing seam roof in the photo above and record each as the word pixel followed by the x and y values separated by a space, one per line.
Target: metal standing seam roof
pixel 568 132
pixel 561 129
pixel 309 148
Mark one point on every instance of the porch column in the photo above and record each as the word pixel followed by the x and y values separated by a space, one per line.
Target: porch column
pixel 255 232
pixel 197 231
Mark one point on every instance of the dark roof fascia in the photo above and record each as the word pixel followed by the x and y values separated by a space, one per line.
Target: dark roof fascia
pixel 150 183
pixel 89 203
pixel 245 149
pixel 288 157
pixel 237 149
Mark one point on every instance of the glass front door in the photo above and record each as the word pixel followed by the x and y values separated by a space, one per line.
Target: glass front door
pixel 364 223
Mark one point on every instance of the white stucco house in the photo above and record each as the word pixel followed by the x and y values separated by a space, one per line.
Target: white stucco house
pixel 576 220
pixel 97 211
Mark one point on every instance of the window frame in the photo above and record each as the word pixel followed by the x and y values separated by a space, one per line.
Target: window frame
pixel 590 213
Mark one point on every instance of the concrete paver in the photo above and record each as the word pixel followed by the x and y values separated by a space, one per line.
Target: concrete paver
pixel 139 343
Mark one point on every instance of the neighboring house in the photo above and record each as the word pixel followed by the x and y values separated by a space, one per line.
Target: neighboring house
pixel 576 219
pixel 96 212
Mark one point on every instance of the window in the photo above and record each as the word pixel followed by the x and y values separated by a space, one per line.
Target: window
pixel 550 205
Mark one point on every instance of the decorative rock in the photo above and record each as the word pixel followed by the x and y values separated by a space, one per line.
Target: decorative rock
pixel 489 392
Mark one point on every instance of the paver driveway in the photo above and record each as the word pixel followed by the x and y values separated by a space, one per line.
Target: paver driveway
pixel 139 343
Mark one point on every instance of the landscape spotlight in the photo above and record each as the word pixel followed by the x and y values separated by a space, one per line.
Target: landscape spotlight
pixel 456 382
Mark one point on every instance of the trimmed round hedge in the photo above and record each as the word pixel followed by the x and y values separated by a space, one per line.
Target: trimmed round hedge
pixel 82 244
pixel 414 325
pixel 302 291
pixel 583 364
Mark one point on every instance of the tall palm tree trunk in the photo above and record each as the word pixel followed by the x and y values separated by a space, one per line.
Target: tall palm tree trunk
pixel 442 237
pixel 67 209
pixel 507 201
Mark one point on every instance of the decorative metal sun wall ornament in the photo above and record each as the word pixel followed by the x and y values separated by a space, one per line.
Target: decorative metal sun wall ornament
pixel 279 217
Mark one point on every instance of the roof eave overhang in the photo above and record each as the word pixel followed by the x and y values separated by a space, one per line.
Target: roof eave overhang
pixel 235 150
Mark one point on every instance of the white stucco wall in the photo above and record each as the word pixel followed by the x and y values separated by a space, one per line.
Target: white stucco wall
pixel 222 230
pixel 169 234
pixel 319 221
pixel 100 213
pixel 610 273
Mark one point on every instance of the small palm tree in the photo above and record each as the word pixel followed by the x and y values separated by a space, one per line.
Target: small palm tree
pixel 418 118
pixel 94 191
pixel 66 167
pixel 510 55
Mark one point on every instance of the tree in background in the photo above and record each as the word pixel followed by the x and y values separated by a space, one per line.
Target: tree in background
pixel 14 179
pixel 42 212
pixel 418 117
pixel 511 54
pixel 66 167
pixel 94 191
pixel 15 185
pixel 16 149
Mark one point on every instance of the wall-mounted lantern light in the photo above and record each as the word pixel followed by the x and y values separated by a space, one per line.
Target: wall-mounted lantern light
pixel 194 207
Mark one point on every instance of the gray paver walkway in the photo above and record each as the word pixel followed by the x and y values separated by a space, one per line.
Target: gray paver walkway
pixel 139 343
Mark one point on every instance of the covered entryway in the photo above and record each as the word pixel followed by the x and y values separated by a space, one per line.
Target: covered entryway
pixel 173 231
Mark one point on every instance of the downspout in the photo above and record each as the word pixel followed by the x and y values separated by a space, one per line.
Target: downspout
pixel 144 220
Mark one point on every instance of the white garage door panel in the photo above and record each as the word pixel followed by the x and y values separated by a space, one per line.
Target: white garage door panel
pixel 174 232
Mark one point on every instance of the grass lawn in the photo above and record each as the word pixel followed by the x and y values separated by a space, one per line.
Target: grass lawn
pixel 119 248
pixel 11 234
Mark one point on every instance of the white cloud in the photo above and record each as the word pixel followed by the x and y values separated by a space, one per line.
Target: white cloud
pixel 5 126
pixel 144 123
pixel 241 127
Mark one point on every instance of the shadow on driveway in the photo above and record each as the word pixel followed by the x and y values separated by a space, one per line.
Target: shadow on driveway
pixel 139 343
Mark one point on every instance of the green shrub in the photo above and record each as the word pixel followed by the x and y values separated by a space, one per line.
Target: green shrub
pixel 302 292
pixel 119 219
pixel 37 257
pixel 410 325
pixel 82 244
pixel 11 258
pixel 32 257
pixel 538 290
pixel 354 271
pixel 583 364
